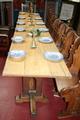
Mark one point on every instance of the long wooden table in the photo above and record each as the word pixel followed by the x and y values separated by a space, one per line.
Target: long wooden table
pixel 34 65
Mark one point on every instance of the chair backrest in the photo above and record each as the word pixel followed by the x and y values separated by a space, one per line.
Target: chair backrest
pixel 52 18
pixel 62 32
pixel 55 26
pixel 67 42
pixel 72 51
pixel 75 67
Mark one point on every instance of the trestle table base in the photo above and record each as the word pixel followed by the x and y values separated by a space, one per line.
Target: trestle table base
pixel 31 96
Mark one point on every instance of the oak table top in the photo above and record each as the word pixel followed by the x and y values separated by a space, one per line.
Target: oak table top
pixel 34 64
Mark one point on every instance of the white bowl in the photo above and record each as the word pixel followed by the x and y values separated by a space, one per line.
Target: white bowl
pixel 21 17
pixel 17 55
pixel 17 39
pixel 53 56
pixel 22 13
pixel 20 22
pixel 38 18
pixel 20 29
pixel 43 29
pixel 40 23
pixel 45 39
pixel 36 14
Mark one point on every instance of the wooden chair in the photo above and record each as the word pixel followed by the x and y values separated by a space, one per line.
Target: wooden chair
pixel 4 44
pixel 2 27
pixel 69 89
pixel 50 23
pixel 5 35
pixel 55 26
pixel 72 51
pixel 7 30
pixel 62 32
pixel 51 19
pixel 67 42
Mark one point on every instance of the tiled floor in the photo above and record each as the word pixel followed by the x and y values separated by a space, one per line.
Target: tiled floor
pixel 9 110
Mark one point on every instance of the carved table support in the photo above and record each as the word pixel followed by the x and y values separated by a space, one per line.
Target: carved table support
pixel 29 94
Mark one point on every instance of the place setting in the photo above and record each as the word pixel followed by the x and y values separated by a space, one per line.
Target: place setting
pixel 20 29
pixel 38 18
pixel 40 23
pixel 17 39
pixel 21 17
pixel 53 56
pixel 45 40
pixel 22 13
pixel 43 29
pixel 20 23
pixel 36 14
pixel 17 55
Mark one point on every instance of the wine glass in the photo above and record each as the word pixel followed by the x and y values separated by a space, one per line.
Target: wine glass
pixel 33 45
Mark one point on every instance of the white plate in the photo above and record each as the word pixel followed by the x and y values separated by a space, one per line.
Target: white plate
pixel 22 13
pixel 21 17
pixel 40 23
pixel 43 29
pixel 17 39
pixel 17 54
pixel 53 56
pixel 38 18
pixel 36 13
pixel 20 29
pixel 45 40
pixel 20 22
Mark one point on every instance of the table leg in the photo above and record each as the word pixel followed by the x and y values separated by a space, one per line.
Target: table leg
pixel 29 94
pixel 39 86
